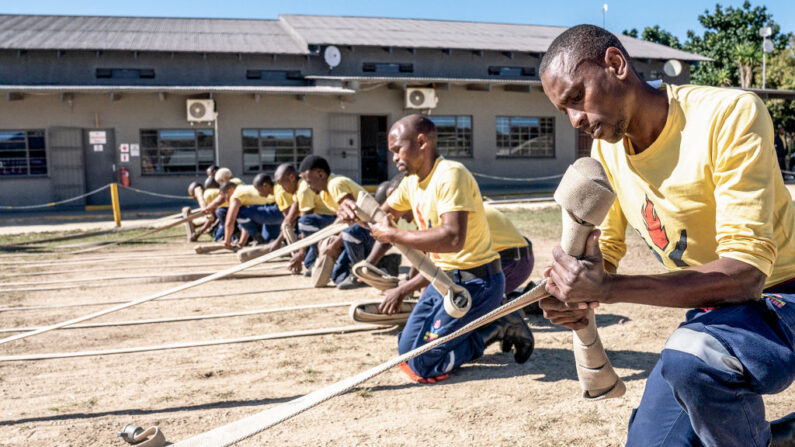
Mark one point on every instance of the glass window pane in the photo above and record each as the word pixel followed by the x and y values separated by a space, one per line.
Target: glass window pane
pixel 453 135
pixel 519 136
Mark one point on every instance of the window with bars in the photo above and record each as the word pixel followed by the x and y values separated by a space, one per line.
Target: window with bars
pixel 454 135
pixel 525 137
pixel 22 153
pixel 176 151
pixel 265 149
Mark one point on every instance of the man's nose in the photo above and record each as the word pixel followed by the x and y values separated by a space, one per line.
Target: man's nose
pixel 395 158
pixel 577 118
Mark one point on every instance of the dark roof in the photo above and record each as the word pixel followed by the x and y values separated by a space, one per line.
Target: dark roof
pixel 414 33
pixel 28 32
pixel 291 34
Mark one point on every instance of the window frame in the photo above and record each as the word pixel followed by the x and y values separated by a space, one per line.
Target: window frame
pixel 28 174
pixel 195 131
pixel 259 131
pixel 458 134
pixel 540 126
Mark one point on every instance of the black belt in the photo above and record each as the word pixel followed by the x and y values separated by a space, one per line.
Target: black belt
pixel 517 253
pixel 481 271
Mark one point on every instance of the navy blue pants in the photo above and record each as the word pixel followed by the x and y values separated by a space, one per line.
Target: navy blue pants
pixel 220 214
pixel 428 321
pixel 517 271
pixel 357 242
pixel 707 387
pixel 261 219
pixel 309 224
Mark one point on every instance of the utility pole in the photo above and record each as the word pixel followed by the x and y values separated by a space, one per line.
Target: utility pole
pixel 604 15
pixel 767 47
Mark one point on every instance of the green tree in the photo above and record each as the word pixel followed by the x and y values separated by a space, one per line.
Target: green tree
pixel 654 34
pixel 658 35
pixel 630 32
pixel 781 75
pixel 747 55
pixel 724 30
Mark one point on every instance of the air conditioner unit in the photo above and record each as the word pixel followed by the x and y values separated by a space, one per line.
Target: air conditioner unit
pixel 201 110
pixel 421 98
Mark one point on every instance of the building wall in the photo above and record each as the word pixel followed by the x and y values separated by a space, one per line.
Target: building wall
pixel 132 112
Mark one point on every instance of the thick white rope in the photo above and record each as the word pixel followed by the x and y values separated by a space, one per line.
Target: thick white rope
pixel 113 269
pixel 142 235
pixel 251 425
pixel 303 333
pixel 187 318
pixel 331 229
pixel 170 298
pixel 164 277
pixel 120 256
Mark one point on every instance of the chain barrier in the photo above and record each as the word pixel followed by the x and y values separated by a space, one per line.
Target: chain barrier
pixel 155 194
pixel 517 179
pixel 82 196
pixel 46 205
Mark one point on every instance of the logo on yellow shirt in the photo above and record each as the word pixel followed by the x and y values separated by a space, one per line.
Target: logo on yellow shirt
pixel 653 225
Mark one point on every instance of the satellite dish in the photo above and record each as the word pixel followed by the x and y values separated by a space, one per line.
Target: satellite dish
pixel 672 68
pixel 332 56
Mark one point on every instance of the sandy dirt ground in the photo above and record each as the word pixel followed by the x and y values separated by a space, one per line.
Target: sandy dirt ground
pixel 490 402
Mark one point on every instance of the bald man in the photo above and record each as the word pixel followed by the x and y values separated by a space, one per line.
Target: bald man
pixel 447 207
pixel 294 195
pixel 353 244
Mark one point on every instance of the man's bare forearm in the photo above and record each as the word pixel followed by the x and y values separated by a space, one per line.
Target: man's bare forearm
pixel 721 282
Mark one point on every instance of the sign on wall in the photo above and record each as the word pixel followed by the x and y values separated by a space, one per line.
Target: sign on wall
pixel 135 150
pixel 124 148
pixel 124 157
pixel 97 137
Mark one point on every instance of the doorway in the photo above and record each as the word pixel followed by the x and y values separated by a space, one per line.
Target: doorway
pixel 374 153
pixel 99 158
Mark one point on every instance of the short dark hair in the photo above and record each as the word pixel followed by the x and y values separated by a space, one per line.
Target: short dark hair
pixel 386 187
pixel 315 162
pixel 227 186
pixel 212 168
pixel 192 187
pixel 261 179
pixel 211 183
pixel 583 43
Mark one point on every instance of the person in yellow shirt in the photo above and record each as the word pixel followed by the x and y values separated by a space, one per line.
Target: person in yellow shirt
pixel 352 245
pixel 254 209
pixel 445 202
pixel 695 175
pixel 303 202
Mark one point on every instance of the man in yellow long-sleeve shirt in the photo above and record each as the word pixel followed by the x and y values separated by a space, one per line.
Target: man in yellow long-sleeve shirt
pixel 695 174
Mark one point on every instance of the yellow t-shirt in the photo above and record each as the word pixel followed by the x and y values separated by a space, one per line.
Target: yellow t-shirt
pixel 211 194
pixel 309 202
pixel 248 196
pixel 449 187
pixel 338 187
pixel 283 198
pixel 709 187
pixel 503 234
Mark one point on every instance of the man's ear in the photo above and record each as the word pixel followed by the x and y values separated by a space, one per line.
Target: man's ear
pixel 422 141
pixel 616 63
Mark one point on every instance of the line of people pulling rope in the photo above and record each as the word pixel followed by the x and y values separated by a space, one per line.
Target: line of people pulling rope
pixel 693 170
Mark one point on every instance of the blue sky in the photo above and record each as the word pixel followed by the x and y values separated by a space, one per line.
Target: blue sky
pixel 677 16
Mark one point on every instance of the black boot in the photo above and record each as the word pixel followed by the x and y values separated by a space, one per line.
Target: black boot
pixel 390 264
pixel 510 330
pixel 783 432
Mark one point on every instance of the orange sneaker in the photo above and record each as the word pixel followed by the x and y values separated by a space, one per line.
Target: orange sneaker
pixel 426 380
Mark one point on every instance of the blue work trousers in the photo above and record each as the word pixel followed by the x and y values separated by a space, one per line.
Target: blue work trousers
pixel 357 242
pixel 261 219
pixel 428 321
pixel 707 387
pixel 309 224
pixel 220 214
